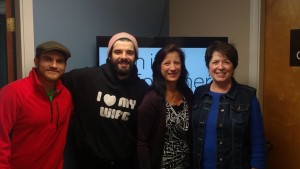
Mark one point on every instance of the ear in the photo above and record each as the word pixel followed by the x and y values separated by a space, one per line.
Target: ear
pixel 36 61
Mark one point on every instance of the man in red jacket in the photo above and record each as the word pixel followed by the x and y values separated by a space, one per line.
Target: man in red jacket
pixel 35 113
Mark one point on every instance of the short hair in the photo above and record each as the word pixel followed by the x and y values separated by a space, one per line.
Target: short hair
pixel 225 48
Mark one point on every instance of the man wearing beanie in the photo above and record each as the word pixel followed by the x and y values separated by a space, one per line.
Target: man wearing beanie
pixel 106 100
pixel 35 113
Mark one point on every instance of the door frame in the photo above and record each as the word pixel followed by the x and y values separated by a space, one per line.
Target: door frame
pixel 10 44
pixel 256 46
pixel 24 37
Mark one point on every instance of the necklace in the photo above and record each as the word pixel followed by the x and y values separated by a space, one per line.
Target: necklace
pixel 174 99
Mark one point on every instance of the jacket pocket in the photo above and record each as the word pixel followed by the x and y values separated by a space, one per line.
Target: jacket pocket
pixel 239 113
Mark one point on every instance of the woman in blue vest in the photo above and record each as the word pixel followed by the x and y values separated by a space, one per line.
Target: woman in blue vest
pixel 227 122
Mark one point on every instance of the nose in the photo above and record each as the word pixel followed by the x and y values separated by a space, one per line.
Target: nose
pixel 123 55
pixel 53 64
pixel 220 65
pixel 172 66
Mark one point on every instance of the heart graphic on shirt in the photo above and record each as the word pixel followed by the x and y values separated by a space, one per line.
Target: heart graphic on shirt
pixel 109 100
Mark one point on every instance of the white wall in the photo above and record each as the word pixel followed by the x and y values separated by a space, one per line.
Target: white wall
pixel 230 18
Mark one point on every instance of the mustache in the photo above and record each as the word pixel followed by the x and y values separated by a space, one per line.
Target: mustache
pixel 124 61
pixel 52 69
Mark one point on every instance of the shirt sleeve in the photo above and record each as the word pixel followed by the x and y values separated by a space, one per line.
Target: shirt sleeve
pixel 146 117
pixel 67 80
pixel 8 115
pixel 258 150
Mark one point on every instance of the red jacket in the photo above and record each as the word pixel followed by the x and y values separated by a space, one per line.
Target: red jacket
pixel 33 129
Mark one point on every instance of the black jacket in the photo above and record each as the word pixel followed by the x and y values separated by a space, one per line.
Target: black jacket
pixel 105 122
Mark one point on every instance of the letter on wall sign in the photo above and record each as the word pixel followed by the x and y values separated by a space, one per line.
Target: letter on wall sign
pixel 295 47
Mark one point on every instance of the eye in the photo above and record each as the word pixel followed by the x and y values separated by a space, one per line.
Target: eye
pixel 60 61
pixel 215 62
pixel 177 63
pixel 227 62
pixel 117 52
pixel 166 63
pixel 46 58
pixel 130 52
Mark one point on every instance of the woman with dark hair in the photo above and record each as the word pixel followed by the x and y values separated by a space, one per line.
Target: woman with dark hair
pixel 165 113
pixel 227 122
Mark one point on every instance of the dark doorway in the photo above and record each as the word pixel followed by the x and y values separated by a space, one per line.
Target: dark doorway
pixel 7 42
pixel 3 46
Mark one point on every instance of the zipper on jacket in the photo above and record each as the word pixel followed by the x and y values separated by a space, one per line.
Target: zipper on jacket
pixel 51 109
pixel 57 110
pixel 51 112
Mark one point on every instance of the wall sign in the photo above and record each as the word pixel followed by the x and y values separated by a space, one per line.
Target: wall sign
pixel 295 47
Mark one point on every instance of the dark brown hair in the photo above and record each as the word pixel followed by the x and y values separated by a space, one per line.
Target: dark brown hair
pixel 225 48
pixel 159 82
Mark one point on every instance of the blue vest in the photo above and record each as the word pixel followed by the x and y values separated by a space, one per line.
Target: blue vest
pixel 233 135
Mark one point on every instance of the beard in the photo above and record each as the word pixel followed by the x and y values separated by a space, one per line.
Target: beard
pixel 121 70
